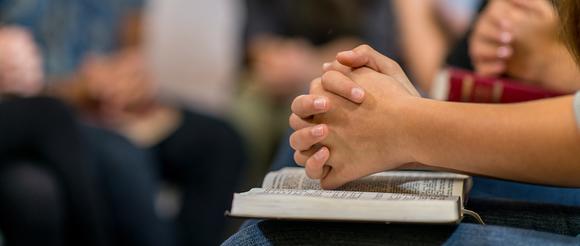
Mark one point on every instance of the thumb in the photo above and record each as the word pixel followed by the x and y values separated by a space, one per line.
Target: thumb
pixel 365 56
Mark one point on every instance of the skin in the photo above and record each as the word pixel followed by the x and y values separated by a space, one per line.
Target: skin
pixel 519 38
pixel 520 142
pixel 418 22
pixel 120 83
pixel 21 71
pixel 490 44
pixel 282 67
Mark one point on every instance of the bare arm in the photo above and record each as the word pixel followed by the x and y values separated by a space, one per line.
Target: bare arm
pixel 390 127
pixel 423 40
pixel 535 142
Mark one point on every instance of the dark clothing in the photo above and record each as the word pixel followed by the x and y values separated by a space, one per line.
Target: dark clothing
pixel 32 211
pixel 45 130
pixel 204 158
pixel 322 21
pixel 129 186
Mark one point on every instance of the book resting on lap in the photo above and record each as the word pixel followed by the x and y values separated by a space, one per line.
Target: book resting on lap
pixel 387 197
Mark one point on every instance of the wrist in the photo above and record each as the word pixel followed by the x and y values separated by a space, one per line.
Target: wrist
pixel 426 124
pixel 411 113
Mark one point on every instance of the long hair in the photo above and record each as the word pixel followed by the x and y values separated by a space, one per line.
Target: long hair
pixel 570 15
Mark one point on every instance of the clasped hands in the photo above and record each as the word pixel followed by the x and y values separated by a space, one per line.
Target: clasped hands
pixel 353 121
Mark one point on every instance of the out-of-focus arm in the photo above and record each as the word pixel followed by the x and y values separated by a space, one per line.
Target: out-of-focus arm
pixel 424 42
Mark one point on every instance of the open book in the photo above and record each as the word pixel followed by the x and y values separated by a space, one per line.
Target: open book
pixel 394 196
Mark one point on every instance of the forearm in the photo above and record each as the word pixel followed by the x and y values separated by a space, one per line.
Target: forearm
pixel 531 142
pixel 424 43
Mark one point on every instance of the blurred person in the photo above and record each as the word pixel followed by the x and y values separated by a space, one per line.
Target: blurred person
pixel 520 39
pixel 194 67
pixel 198 154
pixel 48 192
pixel 201 155
pixel 284 42
pixel 62 44
pixel 114 90
pixel 442 23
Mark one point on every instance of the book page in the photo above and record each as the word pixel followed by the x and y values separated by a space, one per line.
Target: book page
pixel 343 195
pixel 404 182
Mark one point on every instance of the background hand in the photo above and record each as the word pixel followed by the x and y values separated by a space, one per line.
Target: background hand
pixel 490 44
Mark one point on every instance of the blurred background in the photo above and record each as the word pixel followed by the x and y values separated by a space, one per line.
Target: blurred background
pixel 132 122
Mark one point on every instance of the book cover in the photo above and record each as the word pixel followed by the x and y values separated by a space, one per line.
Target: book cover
pixel 457 85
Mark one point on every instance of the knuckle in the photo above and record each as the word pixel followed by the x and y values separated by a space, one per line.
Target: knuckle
pixel 297 158
pixel 295 101
pixel 364 48
pixel 315 84
pixel 293 140
pixel 328 76
pixel 334 80
pixel 292 121
pixel 299 104
pixel 311 170
pixel 391 66
pixel 304 103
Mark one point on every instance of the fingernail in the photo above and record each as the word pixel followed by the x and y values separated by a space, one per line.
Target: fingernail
pixel 504 51
pixel 346 53
pixel 318 131
pixel 505 37
pixel 320 155
pixel 357 93
pixel 326 66
pixel 320 103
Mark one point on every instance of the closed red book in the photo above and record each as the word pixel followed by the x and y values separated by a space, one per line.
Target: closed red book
pixel 459 85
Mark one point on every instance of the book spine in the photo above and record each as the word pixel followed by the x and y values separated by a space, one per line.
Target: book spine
pixel 458 85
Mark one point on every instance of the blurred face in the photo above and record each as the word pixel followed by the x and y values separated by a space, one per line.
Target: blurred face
pixel 20 63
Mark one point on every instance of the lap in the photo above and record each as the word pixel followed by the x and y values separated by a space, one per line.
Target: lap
pixel 272 232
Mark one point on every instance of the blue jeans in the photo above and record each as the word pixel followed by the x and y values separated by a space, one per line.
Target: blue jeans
pixel 517 214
